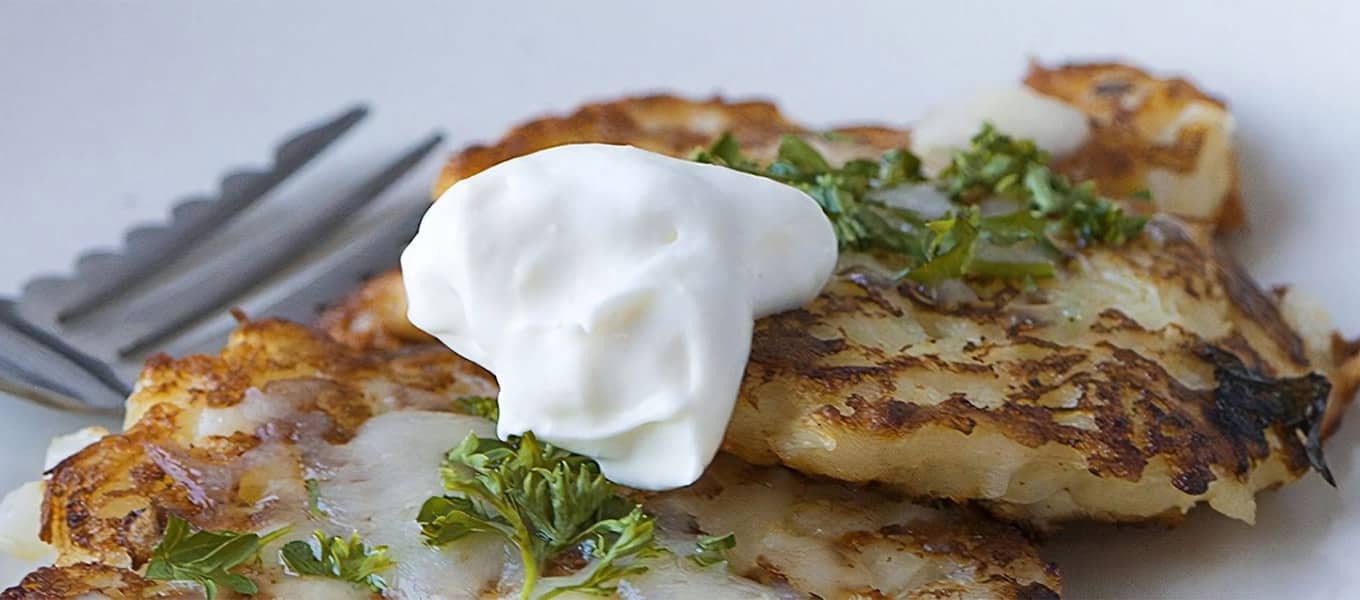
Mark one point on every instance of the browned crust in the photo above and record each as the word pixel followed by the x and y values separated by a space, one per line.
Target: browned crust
pixel 110 501
pixel 1142 410
pixel 1125 104
pixel 660 123
pixel 966 535
pixel 1345 381
pixel 995 560
pixel 373 317
pixel 86 580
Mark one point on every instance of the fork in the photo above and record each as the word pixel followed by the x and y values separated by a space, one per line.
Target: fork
pixel 75 343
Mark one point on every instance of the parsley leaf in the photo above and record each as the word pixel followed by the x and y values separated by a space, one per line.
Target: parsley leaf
pixel 949 249
pixel 726 152
pixel 481 406
pixel 898 166
pixel 712 549
pixel 206 557
pixel 332 556
pixel 542 499
pixel 798 158
pixel 611 542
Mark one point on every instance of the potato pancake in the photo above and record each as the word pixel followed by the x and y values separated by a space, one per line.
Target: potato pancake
pixel 288 428
pixel 1139 382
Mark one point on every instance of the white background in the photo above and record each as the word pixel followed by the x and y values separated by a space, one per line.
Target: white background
pixel 110 110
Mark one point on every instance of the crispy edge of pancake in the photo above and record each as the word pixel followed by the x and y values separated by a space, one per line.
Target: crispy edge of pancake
pixel 1147 131
pixel 87 580
pixel 996 559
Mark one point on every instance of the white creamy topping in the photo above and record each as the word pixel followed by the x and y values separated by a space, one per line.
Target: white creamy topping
pixel 613 292
pixel 1014 110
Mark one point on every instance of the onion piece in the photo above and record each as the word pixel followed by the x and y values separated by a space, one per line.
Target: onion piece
pixel 922 199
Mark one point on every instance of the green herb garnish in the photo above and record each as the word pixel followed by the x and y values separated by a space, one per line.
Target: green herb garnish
pixel 998 165
pixel 481 406
pixel 339 558
pixel 1051 210
pixel 613 545
pixel 313 498
pixel 712 549
pixel 544 500
pixel 206 557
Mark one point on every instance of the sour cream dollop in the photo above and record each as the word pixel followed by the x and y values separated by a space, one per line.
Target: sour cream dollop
pixel 613 293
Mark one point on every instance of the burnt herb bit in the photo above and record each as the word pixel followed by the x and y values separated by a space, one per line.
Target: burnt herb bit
pixel 206 557
pixel 996 164
pixel 545 501
pixel 339 558
pixel 712 549
pixel 1247 402
pixel 481 406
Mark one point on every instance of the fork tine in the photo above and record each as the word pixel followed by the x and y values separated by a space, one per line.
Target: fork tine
pixel 34 388
pixel 39 394
pixel 157 248
pixel 376 250
pixel 25 343
pixel 218 285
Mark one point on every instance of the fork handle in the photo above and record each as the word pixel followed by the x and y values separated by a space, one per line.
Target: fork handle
pixel 39 367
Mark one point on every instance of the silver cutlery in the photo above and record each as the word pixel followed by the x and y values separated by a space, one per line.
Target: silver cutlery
pixel 76 343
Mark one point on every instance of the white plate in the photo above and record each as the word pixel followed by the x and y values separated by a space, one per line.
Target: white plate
pixel 107 113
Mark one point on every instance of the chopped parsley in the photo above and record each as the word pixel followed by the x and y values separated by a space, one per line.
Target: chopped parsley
pixel 998 165
pixel 480 406
pixel 339 558
pixel 207 558
pixel 1051 211
pixel 545 501
pixel 313 498
pixel 712 549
